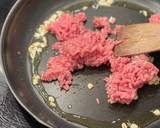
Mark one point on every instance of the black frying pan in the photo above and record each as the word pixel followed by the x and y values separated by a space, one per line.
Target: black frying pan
pixel 17 33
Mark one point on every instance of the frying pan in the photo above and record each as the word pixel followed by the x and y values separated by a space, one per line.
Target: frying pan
pixel 17 33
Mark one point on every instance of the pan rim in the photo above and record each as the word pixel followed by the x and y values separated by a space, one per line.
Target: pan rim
pixel 2 35
pixel 9 16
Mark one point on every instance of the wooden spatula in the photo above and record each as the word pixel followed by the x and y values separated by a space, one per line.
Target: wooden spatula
pixel 137 39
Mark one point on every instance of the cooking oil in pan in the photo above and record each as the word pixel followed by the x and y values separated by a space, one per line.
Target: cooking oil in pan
pixel 38 47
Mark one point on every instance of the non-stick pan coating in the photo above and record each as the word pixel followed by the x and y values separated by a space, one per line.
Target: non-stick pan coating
pixel 17 34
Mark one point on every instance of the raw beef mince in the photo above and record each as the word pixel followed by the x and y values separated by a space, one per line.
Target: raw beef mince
pixel 79 47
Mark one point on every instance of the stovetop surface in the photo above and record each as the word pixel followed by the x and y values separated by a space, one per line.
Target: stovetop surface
pixel 12 115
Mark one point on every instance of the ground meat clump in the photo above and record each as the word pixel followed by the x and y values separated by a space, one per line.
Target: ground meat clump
pixel 101 22
pixel 79 47
pixel 155 18
pixel 90 49
pixel 68 26
pixel 129 74
pixel 59 67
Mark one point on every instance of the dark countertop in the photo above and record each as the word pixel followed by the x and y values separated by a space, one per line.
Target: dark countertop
pixel 12 115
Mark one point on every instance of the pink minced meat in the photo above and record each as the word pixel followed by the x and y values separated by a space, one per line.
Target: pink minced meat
pixel 155 18
pixel 68 26
pixel 59 67
pixel 79 47
pixel 87 48
pixel 90 49
pixel 101 22
pixel 129 74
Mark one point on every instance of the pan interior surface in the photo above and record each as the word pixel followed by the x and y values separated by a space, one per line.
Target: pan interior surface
pixel 78 100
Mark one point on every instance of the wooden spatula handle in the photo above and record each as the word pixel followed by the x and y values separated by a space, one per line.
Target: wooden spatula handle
pixel 138 38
